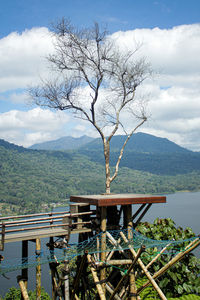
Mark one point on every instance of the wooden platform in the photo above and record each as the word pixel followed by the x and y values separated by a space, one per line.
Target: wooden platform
pixel 118 199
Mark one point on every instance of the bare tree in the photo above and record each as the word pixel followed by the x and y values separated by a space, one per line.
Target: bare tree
pixel 95 81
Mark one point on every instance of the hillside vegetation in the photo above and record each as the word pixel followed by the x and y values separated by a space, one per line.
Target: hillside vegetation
pixel 31 180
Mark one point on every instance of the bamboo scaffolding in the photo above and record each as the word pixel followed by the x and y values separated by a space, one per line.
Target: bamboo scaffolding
pixel 174 260
pixel 103 244
pixel 96 279
pixel 127 273
pixel 156 287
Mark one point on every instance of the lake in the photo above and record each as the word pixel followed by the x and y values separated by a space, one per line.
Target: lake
pixel 183 208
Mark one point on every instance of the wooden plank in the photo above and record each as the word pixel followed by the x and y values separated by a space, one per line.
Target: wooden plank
pixel 118 199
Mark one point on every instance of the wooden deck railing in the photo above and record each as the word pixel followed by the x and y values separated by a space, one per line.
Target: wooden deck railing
pixel 27 227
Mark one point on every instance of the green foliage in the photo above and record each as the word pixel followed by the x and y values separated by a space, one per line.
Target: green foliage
pixel 183 278
pixel 15 294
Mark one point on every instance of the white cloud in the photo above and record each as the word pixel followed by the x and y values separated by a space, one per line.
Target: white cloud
pixel 28 127
pixel 22 57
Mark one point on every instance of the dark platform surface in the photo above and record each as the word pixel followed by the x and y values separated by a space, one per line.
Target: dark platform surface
pixel 118 199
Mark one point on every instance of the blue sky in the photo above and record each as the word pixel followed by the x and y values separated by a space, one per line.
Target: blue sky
pixel 17 15
pixel 172 50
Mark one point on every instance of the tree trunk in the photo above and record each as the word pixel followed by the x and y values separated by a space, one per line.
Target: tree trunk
pixel 106 145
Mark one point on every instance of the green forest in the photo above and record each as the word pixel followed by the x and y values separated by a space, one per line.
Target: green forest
pixel 35 180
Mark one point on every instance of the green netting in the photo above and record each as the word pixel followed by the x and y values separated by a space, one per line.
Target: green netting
pixel 114 242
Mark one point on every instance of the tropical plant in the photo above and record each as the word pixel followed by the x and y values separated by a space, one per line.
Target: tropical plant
pixel 183 278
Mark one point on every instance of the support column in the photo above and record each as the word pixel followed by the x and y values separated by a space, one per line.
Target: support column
pixel 24 273
pixel 103 245
pixel 38 269
pixel 51 248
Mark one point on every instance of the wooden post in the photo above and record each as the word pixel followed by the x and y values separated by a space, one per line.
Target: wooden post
pixel 38 269
pixel 2 236
pixel 24 261
pixel 103 245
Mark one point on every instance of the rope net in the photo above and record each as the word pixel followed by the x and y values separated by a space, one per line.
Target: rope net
pixel 112 240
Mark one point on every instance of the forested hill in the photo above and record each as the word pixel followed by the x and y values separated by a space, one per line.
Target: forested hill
pixel 31 180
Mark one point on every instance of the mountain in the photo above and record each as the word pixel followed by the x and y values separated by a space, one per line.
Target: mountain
pixel 64 143
pixel 139 142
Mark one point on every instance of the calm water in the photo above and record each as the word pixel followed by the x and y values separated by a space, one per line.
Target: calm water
pixel 183 208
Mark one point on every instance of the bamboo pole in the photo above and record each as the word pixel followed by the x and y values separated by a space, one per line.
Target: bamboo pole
pixel 156 287
pixel 109 256
pixel 174 260
pixel 115 262
pixel 23 288
pixel 132 288
pixel 38 269
pixel 114 242
pixel 110 290
pixel 65 274
pixel 128 272
pixel 157 256
pixel 103 244
pixel 96 279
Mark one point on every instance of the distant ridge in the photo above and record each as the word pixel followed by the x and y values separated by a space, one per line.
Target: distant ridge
pixel 139 142
pixel 63 143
